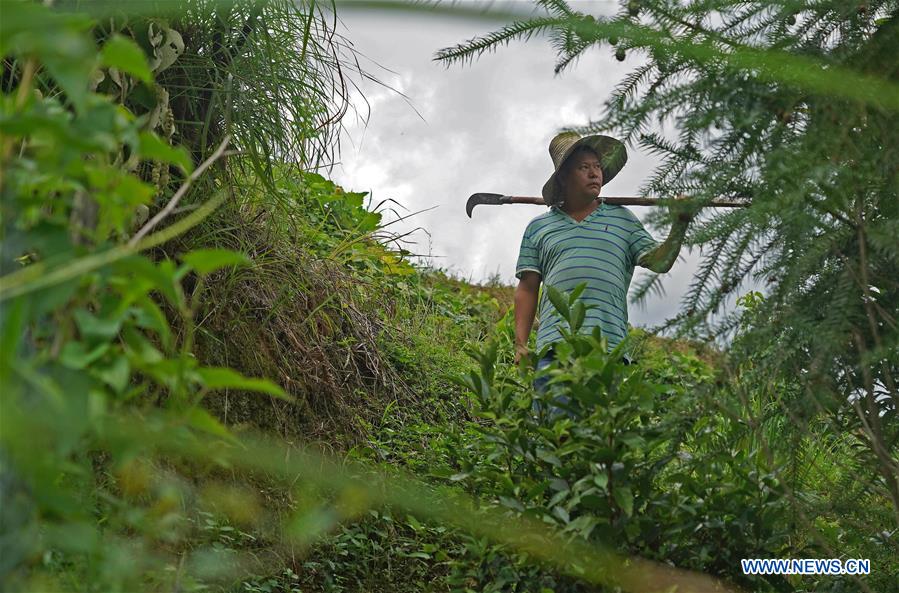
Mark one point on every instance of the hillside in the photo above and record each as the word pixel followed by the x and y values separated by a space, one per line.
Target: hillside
pixel 374 353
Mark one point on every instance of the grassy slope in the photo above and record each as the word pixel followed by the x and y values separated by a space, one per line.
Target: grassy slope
pixel 369 346
pixel 352 338
pixel 341 322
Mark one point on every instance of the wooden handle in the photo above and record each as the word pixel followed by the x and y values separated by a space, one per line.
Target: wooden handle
pixel 625 201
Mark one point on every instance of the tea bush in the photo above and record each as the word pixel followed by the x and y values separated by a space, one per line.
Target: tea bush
pixel 607 455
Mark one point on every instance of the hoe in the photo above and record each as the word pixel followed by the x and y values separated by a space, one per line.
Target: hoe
pixel 499 199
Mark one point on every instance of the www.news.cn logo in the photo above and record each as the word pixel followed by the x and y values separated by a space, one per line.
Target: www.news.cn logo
pixel 832 566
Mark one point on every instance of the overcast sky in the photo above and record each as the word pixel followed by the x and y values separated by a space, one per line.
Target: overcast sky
pixel 483 127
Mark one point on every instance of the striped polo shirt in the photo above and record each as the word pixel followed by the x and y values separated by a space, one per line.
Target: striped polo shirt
pixel 601 250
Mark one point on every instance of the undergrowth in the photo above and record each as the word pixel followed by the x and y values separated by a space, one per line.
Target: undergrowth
pixel 342 321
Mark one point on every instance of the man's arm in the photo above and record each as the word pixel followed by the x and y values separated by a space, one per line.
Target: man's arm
pixel 660 259
pixel 525 310
pixel 663 257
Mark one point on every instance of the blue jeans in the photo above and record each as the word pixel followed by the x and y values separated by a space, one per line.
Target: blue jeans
pixel 540 386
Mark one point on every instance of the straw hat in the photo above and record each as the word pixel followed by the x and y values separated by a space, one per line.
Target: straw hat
pixel 612 156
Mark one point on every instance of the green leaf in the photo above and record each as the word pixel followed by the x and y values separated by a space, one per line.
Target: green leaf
pixel 559 302
pixel 203 420
pixel 134 191
pixel 143 351
pixel 578 314
pixel 562 514
pixel 92 326
pixel 117 374
pixel 21 17
pixel 149 316
pixel 75 355
pixel 225 378
pixel 369 222
pixel 441 472
pixel 56 38
pixel 548 457
pixel 511 503
pixel 414 523
pixel 625 499
pixel 205 261
pixel 594 502
pixel 583 525
pixel 72 74
pixel 122 53
pixel 577 292
pixel 604 455
pixel 632 440
pixel 153 147
pixel 570 447
pixel 161 277
pixel 12 324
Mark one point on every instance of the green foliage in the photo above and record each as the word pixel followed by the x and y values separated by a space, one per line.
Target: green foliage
pixel 122 53
pixel 606 455
pixel 328 304
pixel 93 332
pixel 238 68
pixel 82 352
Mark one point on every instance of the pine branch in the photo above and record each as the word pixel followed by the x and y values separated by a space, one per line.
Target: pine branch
pixel 475 48
pixel 558 8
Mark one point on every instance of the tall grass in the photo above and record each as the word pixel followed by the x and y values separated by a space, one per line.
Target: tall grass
pixel 270 73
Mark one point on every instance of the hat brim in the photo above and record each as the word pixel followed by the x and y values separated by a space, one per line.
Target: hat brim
pixel 612 158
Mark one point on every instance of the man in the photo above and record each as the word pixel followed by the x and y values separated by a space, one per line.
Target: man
pixel 583 239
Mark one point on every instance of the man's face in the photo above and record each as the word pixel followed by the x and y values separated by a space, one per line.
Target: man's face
pixel 584 179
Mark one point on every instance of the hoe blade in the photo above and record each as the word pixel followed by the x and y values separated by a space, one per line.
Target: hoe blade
pixel 482 198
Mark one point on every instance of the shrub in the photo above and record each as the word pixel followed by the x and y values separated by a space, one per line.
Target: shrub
pixel 607 455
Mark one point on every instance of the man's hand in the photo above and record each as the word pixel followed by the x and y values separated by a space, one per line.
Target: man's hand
pixel 520 352
pixel 683 209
